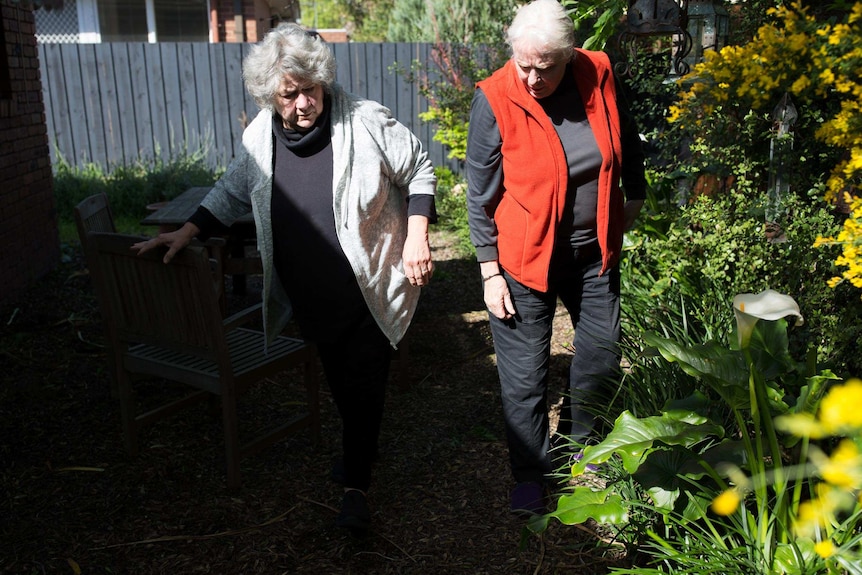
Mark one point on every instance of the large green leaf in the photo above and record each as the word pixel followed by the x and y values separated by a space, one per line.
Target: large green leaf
pixel 811 394
pixel 658 476
pixel 675 472
pixel 728 451
pixel 632 437
pixel 662 475
pixel 724 370
pixel 696 402
pixel 602 15
pixel 808 400
pixel 768 349
pixel 582 504
pixel 797 557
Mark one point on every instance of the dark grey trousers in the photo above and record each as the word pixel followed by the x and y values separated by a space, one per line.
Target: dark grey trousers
pixel 523 346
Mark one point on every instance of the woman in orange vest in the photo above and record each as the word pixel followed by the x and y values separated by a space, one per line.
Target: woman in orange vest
pixel 548 148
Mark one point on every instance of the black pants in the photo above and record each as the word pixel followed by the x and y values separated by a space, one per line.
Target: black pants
pixel 523 349
pixel 356 365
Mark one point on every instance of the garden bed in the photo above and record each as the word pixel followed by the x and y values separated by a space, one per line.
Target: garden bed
pixel 75 500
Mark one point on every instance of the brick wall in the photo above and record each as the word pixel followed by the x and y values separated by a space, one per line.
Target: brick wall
pixel 333 35
pixel 28 219
pixel 257 20
pixel 226 23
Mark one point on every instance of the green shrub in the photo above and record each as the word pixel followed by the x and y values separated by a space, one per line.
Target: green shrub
pixel 795 85
pixel 452 207
pixel 130 188
pixel 686 263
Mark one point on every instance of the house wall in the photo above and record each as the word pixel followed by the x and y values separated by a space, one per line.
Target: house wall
pixel 64 25
pixel 226 19
pixel 333 35
pixel 255 19
pixel 28 218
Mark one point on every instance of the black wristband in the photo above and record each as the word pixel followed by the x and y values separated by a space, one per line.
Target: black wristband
pixel 484 278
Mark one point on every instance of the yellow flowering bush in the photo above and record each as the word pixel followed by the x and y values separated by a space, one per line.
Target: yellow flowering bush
pixel 819 64
pixel 832 515
pixel 835 507
pixel 841 410
pixel 850 240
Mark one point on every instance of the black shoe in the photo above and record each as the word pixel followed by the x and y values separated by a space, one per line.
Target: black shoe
pixel 354 514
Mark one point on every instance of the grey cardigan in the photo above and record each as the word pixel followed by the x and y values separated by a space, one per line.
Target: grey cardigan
pixel 377 162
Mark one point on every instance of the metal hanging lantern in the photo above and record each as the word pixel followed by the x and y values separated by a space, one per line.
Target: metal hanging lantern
pixel 708 25
pixel 650 19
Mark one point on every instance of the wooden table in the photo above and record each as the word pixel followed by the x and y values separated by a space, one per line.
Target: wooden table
pixel 177 211
pixel 174 213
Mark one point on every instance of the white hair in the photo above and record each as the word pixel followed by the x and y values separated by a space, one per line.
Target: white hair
pixel 287 49
pixel 543 24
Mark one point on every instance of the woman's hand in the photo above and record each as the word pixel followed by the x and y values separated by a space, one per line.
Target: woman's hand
pixel 498 300
pixel 416 255
pixel 175 241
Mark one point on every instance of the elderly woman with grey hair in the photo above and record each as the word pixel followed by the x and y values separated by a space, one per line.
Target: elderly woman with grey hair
pixel 548 146
pixel 342 195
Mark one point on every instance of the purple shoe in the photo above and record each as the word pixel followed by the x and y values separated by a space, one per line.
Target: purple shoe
pixel 590 468
pixel 528 498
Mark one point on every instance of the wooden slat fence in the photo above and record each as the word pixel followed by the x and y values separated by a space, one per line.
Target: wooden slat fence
pixel 115 103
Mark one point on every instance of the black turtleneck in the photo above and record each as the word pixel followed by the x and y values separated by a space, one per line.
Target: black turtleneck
pixel 307 255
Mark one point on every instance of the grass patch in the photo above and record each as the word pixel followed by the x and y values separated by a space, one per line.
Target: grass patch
pixel 130 188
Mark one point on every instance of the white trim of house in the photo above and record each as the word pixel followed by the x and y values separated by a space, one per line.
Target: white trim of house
pixel 151 22
pixel 88 22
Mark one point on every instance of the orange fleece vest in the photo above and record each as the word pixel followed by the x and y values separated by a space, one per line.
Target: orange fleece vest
pixel 535 173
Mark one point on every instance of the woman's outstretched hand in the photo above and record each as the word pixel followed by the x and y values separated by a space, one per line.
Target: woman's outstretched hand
pixel 175 241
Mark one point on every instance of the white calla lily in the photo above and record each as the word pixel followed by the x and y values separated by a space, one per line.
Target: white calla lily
pixel 768 304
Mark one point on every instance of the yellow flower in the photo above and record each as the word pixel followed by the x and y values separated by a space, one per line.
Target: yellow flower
pixel 840 410
pixel 816 513
pixel 824 548
pixel 800 84
pixel 820 512
pixel 800 425
pixel 726 503
pixel 844 468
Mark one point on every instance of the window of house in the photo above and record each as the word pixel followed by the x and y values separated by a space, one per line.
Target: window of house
pixel 181 20
pixel 153 20
pixel 123 21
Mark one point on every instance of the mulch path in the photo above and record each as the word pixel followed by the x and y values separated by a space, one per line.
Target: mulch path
pixel 73 501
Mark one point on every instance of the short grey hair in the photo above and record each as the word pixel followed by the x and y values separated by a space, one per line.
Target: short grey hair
pixel 287 49
pixel 543 24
